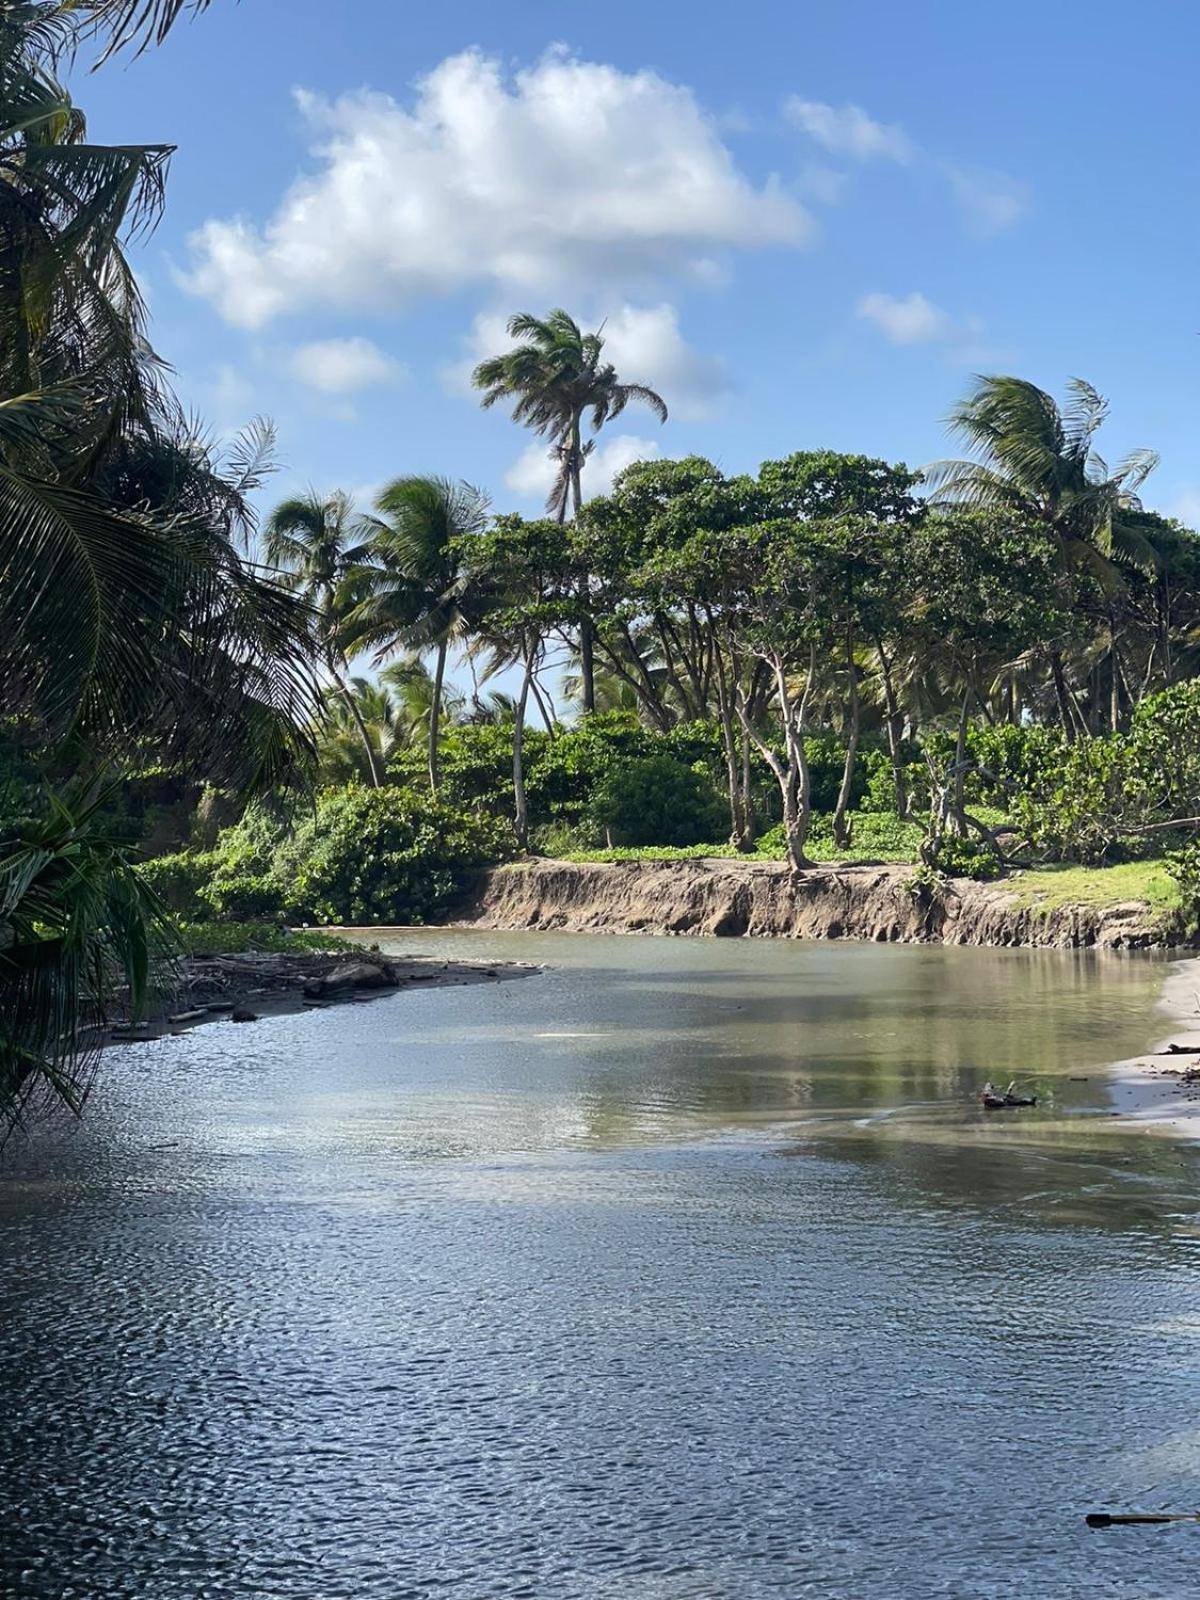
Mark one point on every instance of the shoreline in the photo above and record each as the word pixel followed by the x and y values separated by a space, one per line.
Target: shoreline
pixel 253 986
pixel 1155 1089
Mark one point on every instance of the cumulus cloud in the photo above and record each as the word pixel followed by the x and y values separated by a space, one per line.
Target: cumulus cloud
pixel 566 172
pixel 646 346
pixel 848 131
pixel 532 473
pixel 644 343
pixel 914 319
pixel 911 319
pixel 340 366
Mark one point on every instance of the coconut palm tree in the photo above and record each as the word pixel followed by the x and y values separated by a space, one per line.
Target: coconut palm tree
pixel 124 22
pixel 1038 461
pixel 416 598
pixel 555 376
pixel 317 543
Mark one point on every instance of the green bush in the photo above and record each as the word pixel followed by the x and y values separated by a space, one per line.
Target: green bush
pixel 655 800
pixel 967 858
pixel 236 938
pixel 383 855
pixel 180 880
pixel 362 855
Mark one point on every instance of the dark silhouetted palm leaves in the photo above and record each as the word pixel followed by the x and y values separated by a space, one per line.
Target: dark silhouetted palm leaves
pixel 131 619
pixel 75 917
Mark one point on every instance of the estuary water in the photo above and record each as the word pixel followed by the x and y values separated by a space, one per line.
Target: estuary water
pixel 681 1268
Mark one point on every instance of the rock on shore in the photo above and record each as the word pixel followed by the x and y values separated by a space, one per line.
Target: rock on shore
pixel 760 898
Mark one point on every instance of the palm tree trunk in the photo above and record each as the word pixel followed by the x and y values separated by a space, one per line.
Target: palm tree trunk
pixel 351 704
pixel 435 714
pixel 1061 694
pixel 1114 707
pixel 587 647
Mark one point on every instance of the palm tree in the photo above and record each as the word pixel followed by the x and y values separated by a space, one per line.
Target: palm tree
pixel 1037 460
pixel 312 541
pixel 554 377
pixel 416 583
pixel 123 22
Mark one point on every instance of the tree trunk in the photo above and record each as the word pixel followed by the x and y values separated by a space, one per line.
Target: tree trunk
pixel 520 808
pixel 435 714
pixel 1062 695
pixel 957 790
pixel 841 836
pixel 792 776
pixel 1114 703
pixel 737 819
pixel 894 734
pixel 797 790
pixel 747 799
pixel 351 704
pixel 587 647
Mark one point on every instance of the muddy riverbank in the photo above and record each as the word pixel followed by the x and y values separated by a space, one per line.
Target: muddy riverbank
pixel 732 898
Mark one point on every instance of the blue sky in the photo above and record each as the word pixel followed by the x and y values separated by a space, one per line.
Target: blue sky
pixel 806 223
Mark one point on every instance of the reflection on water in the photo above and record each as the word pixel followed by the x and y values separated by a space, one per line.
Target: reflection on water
pixel 686 1268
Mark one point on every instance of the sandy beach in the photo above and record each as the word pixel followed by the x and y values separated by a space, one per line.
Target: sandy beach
pixel 1161 1087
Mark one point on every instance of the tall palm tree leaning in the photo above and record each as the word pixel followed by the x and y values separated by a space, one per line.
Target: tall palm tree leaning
pixel 1037 460
pixel 416 584
pixel 315 543
pixel 555 376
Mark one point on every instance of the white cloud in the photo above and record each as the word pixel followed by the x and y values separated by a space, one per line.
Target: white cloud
pixel 646 346
pixel 339 366
pixel 848 131
pixel 569 172
pixel 991 201
pixel 909 320
pixel 532 473
pixel 914 319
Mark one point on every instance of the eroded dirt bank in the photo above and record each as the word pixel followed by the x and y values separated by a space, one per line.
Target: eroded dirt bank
pixel 759 898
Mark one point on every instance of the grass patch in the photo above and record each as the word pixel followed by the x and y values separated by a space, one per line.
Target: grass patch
pixel 241 938
pixel 1049 888
pixel 876 836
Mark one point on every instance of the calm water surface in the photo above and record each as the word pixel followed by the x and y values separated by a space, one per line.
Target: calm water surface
pixel 684 1269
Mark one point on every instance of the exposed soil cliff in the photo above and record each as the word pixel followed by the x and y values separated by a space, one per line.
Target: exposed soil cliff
pixel 733 898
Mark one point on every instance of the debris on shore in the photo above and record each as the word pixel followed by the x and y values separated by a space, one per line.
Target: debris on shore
pixel 250 986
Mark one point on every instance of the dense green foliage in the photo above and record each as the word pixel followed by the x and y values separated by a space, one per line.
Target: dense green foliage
pixel 361 855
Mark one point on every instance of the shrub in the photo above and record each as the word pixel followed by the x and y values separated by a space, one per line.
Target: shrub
pixel 235 938
pixel 967 858
pixel 180 880
pixel 384 855
pixel 654 799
